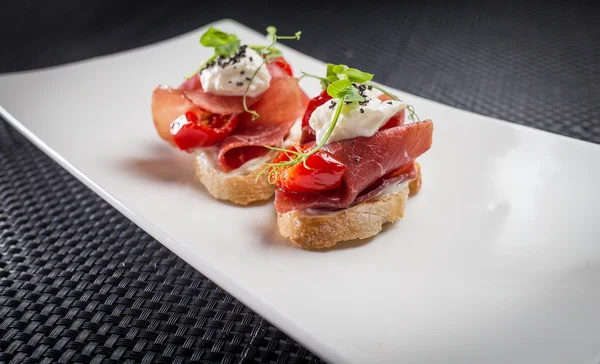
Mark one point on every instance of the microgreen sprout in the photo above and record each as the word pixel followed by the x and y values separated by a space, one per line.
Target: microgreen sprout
pixel 268 53
pixel 224 44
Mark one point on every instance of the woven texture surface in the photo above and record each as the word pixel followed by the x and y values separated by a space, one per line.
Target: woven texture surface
pixel 81 283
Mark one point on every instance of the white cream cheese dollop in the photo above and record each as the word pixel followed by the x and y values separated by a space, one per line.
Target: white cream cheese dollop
pixel 355 120
pixel 230 76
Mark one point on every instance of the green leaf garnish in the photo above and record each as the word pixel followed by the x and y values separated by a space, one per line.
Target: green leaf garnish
pixel 339 69
pixel 330 70
pixel 338 86
pixel 344 90
pixel 355 75
pixel 337 72
pixel 228 49
pixel 214 38
pixel 224 44
pixel 351 94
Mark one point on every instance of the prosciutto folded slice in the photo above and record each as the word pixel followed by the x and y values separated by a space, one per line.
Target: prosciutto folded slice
pixel 372 164
pixel 169 103
pixel 279 108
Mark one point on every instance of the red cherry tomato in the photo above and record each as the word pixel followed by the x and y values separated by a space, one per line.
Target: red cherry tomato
pixel 324 173
pixel 284 65
pixel 308 134
pixel 201 128
pixel 395 120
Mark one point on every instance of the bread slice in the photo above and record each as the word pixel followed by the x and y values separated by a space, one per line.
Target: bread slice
pixel 366 219
pixel 241 189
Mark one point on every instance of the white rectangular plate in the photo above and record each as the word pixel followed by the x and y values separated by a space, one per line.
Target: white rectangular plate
pixel 496 261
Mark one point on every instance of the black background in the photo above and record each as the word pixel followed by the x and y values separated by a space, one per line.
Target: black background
pixel 79 282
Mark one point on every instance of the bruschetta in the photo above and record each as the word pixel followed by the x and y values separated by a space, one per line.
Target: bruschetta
pixel 240 101
pixel 355 166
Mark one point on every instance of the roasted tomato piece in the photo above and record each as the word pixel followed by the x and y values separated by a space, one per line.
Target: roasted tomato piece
pixel 324 173
pixel 280 64
pixel 200 128
pixel 308 134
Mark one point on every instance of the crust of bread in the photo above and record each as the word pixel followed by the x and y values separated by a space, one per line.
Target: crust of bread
pixel 357 222
pixel 241 189
pixel 415 185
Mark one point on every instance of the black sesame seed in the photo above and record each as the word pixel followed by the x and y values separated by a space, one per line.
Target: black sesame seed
pixel 370 87
pixel 357 160
pixel 362 111
pixel 239 83
pixel 390 103
pixel 352 143
pixel 248 78
pixel 242 72
pixel 229 81
pixel 223 61
pixel 250 58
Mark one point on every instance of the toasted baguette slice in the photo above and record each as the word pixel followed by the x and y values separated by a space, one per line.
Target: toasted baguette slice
pixel 241 189
pixel 357 222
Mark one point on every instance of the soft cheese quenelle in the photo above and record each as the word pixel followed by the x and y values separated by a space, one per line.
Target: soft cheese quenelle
pixel 355 120
pixel 230 76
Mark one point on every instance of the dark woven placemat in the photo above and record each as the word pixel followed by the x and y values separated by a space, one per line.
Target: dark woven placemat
pixel 81 283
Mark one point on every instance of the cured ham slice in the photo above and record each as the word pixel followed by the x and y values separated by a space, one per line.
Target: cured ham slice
pixel 279 108
pixel 216 104
pixel 371 163
pixel 167 105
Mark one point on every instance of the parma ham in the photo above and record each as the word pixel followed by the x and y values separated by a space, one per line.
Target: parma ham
pixel 371 163
pixel 279 108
